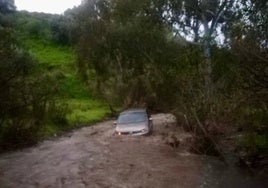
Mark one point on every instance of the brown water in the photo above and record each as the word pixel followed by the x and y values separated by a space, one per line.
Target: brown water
pixel 93 157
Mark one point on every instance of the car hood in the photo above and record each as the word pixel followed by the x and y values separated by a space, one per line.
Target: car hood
pixel 131 127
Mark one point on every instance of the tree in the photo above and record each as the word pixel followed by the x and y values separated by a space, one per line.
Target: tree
pixel 24 98
pixel 7 6
pixel 198 21
pixel 249 42
pixel 126 47
pixel 60 29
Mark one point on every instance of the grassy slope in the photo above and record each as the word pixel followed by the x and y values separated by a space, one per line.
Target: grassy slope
pixel 83 108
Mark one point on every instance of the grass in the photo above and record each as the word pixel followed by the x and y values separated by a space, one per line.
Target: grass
pixel 86 111
pixel 74 88
pixel 83 108
pixel 49 53
pixel 82 112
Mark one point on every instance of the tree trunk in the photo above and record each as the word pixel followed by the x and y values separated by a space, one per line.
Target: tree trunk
pixel 207 69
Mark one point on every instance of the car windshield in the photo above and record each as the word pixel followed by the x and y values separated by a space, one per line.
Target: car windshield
pixel 134 117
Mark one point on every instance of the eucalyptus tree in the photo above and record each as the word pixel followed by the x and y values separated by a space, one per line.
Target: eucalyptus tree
pixel 7 6
pixel 199 21
pixel 249 41
pixel 125 43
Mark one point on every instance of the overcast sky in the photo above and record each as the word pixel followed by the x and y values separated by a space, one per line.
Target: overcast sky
pixel 47 6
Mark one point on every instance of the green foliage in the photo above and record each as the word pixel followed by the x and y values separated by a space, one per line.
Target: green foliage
pixel 24 95
pixel 57 112
pixel 127 53
pixel 33 24
pixel 76 107
pixel 50 54
pixel 130 51
pixel 49 27
pixel 74 88
pixel 254 144
pixel 40 85
pixel 7 6
pixel 249 43
pixel 60 29
pixel 17 134
pixel 253 119
pixel 86 111
pixel 67 114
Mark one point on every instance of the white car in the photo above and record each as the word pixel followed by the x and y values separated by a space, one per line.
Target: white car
pixel 134 122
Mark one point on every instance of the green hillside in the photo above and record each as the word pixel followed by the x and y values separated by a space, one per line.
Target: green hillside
pixel 80 106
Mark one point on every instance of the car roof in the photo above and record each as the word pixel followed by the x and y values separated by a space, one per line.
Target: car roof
pixel 133 110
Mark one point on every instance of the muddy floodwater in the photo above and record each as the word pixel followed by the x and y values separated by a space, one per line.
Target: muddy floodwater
pixel 93 157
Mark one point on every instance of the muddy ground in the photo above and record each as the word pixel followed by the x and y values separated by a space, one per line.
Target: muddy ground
pixel 94 157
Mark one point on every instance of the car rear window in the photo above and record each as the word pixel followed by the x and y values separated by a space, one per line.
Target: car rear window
pixel 134 117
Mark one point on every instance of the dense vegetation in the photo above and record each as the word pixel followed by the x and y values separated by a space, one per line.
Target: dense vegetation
pixel 41 92
pixel 203 60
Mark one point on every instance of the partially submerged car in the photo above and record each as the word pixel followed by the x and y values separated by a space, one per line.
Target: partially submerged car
pixel 134 122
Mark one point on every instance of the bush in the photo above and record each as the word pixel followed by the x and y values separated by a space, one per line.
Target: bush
pixel 57 113
pixel 27 95
pixel 18 133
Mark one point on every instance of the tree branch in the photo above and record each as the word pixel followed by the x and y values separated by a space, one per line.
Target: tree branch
pixel 218 15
